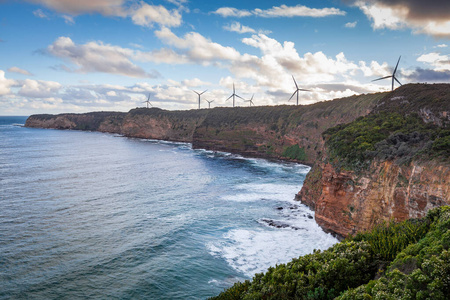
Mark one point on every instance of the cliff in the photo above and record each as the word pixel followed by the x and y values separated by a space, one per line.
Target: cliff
pixel 392 164
pixel 276 132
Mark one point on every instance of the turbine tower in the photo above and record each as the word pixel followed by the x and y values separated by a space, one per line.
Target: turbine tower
pixel 251 101
pixel 148 101
pixel 297 90
pixel 393 75
pixel 234 95
pixel 209 102
pixel 199 94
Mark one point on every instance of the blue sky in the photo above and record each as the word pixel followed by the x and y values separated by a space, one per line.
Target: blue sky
pixel 78 56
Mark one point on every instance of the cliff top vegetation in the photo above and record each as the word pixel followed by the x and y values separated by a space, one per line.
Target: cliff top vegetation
pixel 411 123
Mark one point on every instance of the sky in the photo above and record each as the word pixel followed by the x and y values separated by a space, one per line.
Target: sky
pixel 61 56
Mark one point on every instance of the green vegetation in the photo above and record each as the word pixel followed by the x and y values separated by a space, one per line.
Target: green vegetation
pixel 387 136
pixel 294 152
pixel 407 260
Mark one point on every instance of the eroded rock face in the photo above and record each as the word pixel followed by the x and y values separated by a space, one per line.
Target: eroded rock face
pixel 347 203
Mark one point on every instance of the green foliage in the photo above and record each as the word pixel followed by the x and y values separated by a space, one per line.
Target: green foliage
pixel 415 254
pixel 387 136
pixel 420 271
pixel 321 275
pixel 294 152
pixel 387 240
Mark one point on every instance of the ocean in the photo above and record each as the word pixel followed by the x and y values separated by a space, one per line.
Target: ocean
pixel 88 215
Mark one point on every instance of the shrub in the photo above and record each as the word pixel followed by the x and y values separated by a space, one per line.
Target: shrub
pixel 294 152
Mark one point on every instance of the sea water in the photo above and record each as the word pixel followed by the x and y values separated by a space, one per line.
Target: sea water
pixel 100 216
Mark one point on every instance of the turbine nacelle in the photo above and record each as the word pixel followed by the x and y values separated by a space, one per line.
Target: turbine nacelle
pixel 391 76
pixel 234 95
pixel 297 90
pixel 199 94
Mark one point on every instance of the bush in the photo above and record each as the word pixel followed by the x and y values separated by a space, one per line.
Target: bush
pixel 385 135
pixel 295 152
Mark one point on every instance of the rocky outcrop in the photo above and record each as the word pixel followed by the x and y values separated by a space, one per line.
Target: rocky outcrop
pixel 345 202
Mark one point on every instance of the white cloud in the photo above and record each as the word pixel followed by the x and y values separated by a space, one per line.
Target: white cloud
pixel 40 14
pixel 232 12
pixel 441 46
pixel 39 88
pixel 140 12
pixel 68 19
pixel 105 7
pixel 239 28
pixel 375 69
pixel 421 16
pixel 438 61
pixel 196 48
pixel 97 57
pixel 19 71
pixel 5 84
pixel 351 24
pixel 280 11
pixel 279 61
pixel 147 15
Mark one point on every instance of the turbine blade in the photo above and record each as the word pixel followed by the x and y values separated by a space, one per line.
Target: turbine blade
pixel 229 97
pixel 148 99
pixel 295 82
pixel 397 80
pixel 234 90
pixel 239 97
pixel 382 78
pixel 203 91
pixel 395 70
pixel 196 92
pixel 303 90
pixel 292 95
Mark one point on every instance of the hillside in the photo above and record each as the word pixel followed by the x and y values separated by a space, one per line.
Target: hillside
pixel 276 132
pixel 408 260
pixel 391 164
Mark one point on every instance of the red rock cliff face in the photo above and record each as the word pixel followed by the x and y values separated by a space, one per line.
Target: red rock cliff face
pixel 346 203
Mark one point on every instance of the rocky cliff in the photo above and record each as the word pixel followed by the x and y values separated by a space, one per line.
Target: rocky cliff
pixel 400 175
pixel 278 132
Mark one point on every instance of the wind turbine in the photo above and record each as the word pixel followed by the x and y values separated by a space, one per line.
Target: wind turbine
pixel 209 103
pixel 393 75
pixel 148 101
pixel 297 90
pixel 199 94
pixel 251 101
pixel 234 94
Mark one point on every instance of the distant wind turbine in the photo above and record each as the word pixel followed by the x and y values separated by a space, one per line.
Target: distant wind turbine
pixel 199 94
pixel 251 101
pixel 148 101
pixel 234 95
pixel 209 102
pixel 297 90
pixel 393 75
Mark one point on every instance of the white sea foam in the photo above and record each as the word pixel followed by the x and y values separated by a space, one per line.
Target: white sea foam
pixel 253 251
pixel 291 233
pixel 248 192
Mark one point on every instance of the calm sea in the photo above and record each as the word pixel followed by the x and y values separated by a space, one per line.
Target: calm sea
pixel 99 216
